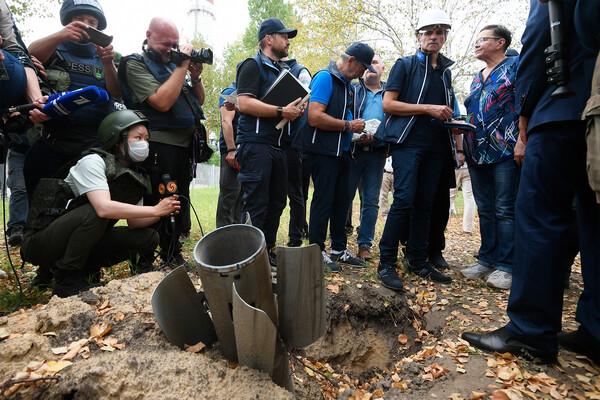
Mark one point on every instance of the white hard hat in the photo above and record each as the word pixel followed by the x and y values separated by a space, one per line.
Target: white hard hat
pixel 433 17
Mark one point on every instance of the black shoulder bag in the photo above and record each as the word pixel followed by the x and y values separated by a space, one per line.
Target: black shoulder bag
pixel 200 150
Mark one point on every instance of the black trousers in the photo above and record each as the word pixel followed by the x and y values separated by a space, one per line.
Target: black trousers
pixel 330 201
pixel 440 214
pixel 263 176
pixel 81 242
pixel 296 197
pixel 174 161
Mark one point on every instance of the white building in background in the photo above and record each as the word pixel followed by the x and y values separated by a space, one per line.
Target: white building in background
pixel 201 21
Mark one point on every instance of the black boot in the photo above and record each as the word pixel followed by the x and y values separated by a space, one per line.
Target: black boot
pixel 43 278
pixel 438 261
pixel 69 283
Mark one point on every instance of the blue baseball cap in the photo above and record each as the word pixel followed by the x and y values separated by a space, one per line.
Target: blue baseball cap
pixel 363 53
pixel 274 25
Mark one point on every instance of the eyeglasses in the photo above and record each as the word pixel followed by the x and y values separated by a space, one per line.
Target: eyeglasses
pixel 438 32
pixel 486 38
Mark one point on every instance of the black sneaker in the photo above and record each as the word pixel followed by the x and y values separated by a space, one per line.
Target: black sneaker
pixel 329 264
pixel 15 238
pixel 69 283
pixel 427 271
pixel 581 342
pixel 438 261
pixel 389 277
pixel 345 257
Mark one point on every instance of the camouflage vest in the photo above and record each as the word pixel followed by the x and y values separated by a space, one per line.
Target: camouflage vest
pixel 51 197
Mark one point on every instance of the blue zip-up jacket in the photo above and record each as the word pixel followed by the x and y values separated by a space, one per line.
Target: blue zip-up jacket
pixel 395 128
pixel 329 143
pixel 253 129
pixel 360 96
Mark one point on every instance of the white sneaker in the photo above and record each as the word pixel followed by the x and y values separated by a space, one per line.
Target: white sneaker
pixel 476 271
pixel 500 279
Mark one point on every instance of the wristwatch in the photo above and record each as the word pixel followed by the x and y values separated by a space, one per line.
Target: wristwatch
pixel 279 112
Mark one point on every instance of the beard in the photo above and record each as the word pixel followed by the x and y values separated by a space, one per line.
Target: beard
pixel 280 53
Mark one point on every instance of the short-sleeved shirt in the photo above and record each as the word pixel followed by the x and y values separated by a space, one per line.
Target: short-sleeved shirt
pixel 87 175
pixel 427 132
pixel 143 84
pixel 247 79
pixel 321 91
pixel 491 108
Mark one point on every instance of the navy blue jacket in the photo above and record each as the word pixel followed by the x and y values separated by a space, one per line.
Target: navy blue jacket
pixel 587 15
pixel 360 96
pixel 253 129
pixel 180 115
pixel 395 128
pixel 533 91
pixel 329 143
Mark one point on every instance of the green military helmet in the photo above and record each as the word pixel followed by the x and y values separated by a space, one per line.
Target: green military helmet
pixel 115 124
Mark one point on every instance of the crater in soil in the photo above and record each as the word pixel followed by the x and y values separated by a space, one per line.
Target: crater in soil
pixel 362 340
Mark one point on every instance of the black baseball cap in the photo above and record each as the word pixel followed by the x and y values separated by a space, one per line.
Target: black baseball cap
pixel 363 53
pixel 274 25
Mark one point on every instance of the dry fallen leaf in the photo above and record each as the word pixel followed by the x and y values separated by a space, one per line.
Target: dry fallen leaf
pixel 59 350
pixel 4 334
pixel 57 366
pixel 195 348
pixel 74 349
pixel 100 330
pixel 403 339
pixel 114 342
pixel 335 289
pixel 477 395
pixel 119 316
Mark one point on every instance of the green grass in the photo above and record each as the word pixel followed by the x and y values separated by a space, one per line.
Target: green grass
pixel 204 201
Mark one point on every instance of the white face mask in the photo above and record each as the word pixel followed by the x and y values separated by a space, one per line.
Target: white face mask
pixel 138 150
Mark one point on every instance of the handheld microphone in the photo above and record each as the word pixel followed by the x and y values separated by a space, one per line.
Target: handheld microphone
pixel 167 187
pixel 62 104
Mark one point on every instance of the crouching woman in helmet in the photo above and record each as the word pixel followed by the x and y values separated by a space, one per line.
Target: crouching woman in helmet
pixel 71 224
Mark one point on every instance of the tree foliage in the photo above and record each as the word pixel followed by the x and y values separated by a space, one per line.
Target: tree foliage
pixel 23 9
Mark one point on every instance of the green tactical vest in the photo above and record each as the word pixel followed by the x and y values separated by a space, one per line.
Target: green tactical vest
pixel 52 195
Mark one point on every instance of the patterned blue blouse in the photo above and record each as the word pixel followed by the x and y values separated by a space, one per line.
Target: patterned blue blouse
pixel 491 108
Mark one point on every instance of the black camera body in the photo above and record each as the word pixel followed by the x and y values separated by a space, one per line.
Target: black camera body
pixel 203 55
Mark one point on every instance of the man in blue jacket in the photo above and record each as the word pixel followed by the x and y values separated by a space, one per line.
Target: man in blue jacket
pixel 368 155
pixel 262 159
pixel 327 145
pixel 554 132
pixel 417 100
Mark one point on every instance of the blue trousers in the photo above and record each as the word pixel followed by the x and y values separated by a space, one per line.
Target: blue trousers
pixel 553 173
pixel 417 175
pixel 330 199
pixel 18 204
pixel 367 169
pixel 495 190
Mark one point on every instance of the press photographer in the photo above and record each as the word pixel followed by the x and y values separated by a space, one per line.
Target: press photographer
pixel 155 82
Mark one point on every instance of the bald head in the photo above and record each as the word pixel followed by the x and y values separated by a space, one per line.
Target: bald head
pixel 162 35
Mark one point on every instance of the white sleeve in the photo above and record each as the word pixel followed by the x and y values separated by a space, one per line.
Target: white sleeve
pixel 87 175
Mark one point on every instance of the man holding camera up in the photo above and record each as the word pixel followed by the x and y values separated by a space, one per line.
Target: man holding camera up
pixel 263 166
pixel 154 82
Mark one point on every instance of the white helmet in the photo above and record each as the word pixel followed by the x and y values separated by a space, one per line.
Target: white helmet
pixel 432 18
